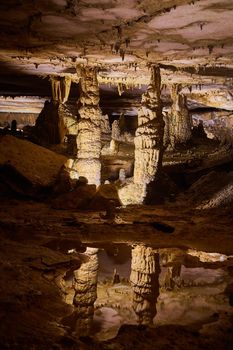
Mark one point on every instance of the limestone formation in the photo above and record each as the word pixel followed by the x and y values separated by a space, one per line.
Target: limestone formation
pixel 148 145
pixel 85 286
pixel 60 88
pixel 105 126
pixel 89 127
pixel 116 132
pixel 149 134
pixel 180 127
pixel 144 279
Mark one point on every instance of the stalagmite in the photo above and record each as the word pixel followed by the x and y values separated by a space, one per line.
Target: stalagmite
pixel 180 127
pixel 89 128
pixel 85 292
pixel 148 144
pixel 149 134
pixel 144 279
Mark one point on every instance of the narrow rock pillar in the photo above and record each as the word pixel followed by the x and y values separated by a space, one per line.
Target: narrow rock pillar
pixel 149 134
pixel 145 270
pixel 85 292
pixel 180 128
pixel 89 128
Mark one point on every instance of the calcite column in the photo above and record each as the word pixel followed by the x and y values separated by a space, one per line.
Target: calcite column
pixel 89 128
pixel 180 128
pixel 145 270
pixel 85 292
pixel 149 134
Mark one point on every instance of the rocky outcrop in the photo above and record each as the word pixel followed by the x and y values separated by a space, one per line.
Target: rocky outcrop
pixel 144 279
pixel 28 168
pixel 54 123
pixel 180 127
pixel 85 292
pixel 89 127
pixel 216 98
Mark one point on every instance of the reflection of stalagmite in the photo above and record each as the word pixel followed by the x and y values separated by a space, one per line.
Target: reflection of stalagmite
pixel 180 127
pixel 60 88
pixel 85 292
pixel 89 135
pixel 172 259
pixel 149 134
pixel 144 278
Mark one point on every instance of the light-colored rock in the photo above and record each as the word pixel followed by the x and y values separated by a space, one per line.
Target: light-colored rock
pixel 144 279
pixel 180 121
pixel 85 286
pixel 89 127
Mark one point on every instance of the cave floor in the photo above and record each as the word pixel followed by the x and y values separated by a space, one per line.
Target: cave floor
pixel 207 230
pixel 34 238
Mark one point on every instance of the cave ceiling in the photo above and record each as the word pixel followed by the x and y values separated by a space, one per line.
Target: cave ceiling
pixel 191 40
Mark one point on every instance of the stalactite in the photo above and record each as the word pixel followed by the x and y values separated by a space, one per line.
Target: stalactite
pixel 144 279
pixel 60 88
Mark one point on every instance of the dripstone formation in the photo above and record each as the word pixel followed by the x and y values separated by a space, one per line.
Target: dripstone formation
pixel 148 142
pixel 85 292
pixel 180 121
pixel 144 279
pixel 89 128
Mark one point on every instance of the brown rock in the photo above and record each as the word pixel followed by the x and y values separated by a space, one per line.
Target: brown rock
pixel 27 168
pixel 79 198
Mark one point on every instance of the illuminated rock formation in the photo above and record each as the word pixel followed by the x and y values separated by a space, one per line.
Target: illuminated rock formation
pixel 144 279
pixel 180 127
pixel 54 123
pixel 148 143
pixel 89 127
pixel 60 88
pixel 149 134
pixel 172 259
pixel 85 292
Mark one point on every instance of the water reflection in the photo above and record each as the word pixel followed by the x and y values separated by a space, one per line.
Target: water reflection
pixel 144 285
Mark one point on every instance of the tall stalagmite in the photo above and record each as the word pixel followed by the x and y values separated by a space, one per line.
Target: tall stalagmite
pixel 148 145
pixel 180 128
pixel 145 270
pixel 89 128
pixel 85 292
pixel 149 134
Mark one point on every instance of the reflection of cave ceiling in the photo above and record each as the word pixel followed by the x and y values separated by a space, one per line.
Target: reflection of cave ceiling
pixel 52 36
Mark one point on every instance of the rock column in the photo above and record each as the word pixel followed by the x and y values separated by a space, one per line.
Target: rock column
pixel 89 128
pixel 85 292
pixel 145 270
pixel 149 134
pixel 180 128
pixel 148 146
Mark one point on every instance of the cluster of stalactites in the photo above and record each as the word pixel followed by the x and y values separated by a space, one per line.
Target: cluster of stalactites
pixel 145 270
pixel 89 127
pixel 85 285
pixel 60 88
pixel 149 134
pixel 180 121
